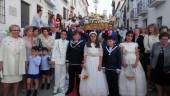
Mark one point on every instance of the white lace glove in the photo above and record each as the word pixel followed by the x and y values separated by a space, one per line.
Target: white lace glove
pixel 118 71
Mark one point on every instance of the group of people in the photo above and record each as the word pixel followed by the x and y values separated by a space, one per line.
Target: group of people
pixel 102 63
pixel 57 20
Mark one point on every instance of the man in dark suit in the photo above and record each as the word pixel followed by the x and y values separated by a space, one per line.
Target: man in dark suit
pixel 54 32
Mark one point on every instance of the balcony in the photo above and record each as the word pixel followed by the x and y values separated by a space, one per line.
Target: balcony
pixel 66 1
pixel 155 3
pixel 51 2
pixel 142 7
pixel 134 14
pixel 72 7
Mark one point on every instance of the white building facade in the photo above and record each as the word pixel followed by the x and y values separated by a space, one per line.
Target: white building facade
pixel 141 13
pixel 120 14
pixel 21 12
pixel 81 7
pixel 159 12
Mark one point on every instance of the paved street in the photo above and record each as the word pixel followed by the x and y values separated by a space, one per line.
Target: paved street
pixel 41 92
pixel 47 93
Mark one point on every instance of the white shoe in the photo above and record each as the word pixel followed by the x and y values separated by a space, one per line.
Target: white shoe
pixel 62 90
pixel 60 94
pixel 55 92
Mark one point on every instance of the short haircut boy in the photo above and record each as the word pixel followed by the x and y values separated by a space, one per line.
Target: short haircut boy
pixel 36 48
pixel 110 38
pixel 76 33
pixel 45 49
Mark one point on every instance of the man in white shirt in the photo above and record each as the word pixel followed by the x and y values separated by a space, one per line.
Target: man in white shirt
pixel 37 20
pixel 71 27
pixel 72 23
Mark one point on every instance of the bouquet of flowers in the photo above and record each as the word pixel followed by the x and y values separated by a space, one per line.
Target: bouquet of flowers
pixel 84 74
pixel 129 72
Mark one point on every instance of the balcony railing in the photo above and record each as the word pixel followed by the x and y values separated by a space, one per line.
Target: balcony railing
pixel 142 7
pixel 155 3
pixel 134 14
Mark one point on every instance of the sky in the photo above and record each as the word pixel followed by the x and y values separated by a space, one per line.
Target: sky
pixel 102 5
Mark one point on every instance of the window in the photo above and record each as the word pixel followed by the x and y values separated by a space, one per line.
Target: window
pixel 145 23
pixel 159 21
pixel 113 4
pixel 67 14
pixel 24 14
pixel 127 26
pixel 2 11
pixel 64 13
pixel 128 5
pixel 124 16
pixel 65 1
pixel 136 26
pixel 39 7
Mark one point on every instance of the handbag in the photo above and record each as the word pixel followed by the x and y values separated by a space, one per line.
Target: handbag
pixel 84 74
pixel 129 72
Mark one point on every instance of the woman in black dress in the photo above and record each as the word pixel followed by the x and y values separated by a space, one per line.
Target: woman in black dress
pixel 160 62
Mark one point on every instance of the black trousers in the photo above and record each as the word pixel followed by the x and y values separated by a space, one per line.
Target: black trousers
pixel 112 80
pixel 74 71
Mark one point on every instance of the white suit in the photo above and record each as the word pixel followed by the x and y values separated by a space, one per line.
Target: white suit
pixel 13 56
pixel 59 57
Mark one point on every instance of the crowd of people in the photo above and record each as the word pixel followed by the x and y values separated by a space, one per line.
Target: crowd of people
pixel 108 62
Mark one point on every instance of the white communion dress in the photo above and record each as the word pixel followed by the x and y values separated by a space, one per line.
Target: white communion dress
pixel 136 86
pixel 96 84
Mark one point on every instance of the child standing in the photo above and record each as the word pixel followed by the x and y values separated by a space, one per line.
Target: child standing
pixel 59 58
pixel 93 82
pixel 75 54
pixel 45 68
pixel 132 81
pixel 112 64
pixel 33 71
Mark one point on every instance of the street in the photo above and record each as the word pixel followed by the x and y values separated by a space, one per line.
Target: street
pixel 50 92
pixel 100 47
pixel 40 93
